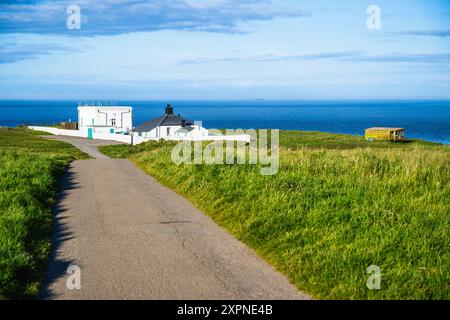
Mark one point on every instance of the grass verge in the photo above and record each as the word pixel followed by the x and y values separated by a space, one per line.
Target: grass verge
pixel 338 205
pixel 29 170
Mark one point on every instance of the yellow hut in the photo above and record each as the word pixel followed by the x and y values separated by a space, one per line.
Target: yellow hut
pixel 385 134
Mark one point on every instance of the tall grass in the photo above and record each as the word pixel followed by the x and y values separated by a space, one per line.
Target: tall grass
pixel 330 212
pixel 29 171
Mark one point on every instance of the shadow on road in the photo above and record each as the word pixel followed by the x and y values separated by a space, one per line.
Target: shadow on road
pixel 57 268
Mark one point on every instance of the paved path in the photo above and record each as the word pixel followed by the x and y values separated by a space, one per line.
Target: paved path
pixel 136 239
pixel 88 146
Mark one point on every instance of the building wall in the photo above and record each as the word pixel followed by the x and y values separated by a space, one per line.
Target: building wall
pixel 151 134
pixel 198 132
pixel 120 118
pixel 100 129
pixel 136 139
pixel 161 132
pixel 96 135
pixel 384 135
pixel 171 134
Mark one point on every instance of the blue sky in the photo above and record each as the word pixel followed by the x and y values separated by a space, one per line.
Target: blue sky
pixel 224 49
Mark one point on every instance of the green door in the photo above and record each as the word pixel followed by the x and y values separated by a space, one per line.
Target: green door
pixel 111 130
pixel 90 135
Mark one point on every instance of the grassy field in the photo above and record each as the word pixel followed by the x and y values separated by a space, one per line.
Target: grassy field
pixel 338 205
pixel 29 171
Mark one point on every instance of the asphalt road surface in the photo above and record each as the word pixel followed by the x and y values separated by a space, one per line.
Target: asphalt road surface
pixel 129 237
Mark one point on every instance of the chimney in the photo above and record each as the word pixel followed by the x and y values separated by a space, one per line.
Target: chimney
pixel 169 109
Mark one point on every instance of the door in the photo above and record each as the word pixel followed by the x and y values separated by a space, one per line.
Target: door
pixel 90 135
pixel 111 130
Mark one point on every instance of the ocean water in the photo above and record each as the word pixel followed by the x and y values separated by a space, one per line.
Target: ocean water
pixel 429 120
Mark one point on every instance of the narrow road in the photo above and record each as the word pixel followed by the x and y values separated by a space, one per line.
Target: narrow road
pixel 133 238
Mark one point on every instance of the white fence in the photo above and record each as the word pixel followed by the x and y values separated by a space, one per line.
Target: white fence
pixel 59 132
pixel 95 135
pixel 136 139
pixel 241 137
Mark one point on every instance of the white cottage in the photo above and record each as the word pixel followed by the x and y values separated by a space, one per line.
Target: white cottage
pixel 102 119
pixel 170 126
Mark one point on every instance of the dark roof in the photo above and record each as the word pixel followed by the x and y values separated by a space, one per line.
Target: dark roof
pixel 165 120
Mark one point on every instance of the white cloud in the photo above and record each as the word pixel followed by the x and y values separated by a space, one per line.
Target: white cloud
pixel 123 16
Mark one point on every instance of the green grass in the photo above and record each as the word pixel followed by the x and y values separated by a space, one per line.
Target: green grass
pixel 322 140
pixel 338 205
pixel 29 172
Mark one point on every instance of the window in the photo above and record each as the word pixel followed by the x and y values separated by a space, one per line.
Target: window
pixel 168 131
pixel 113 122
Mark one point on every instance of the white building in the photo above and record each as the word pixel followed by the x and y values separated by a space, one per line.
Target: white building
pixel 170 126
pixel 99 119
pixel 116 124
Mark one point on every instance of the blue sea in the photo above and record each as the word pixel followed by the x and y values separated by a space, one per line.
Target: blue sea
pixel 428 120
